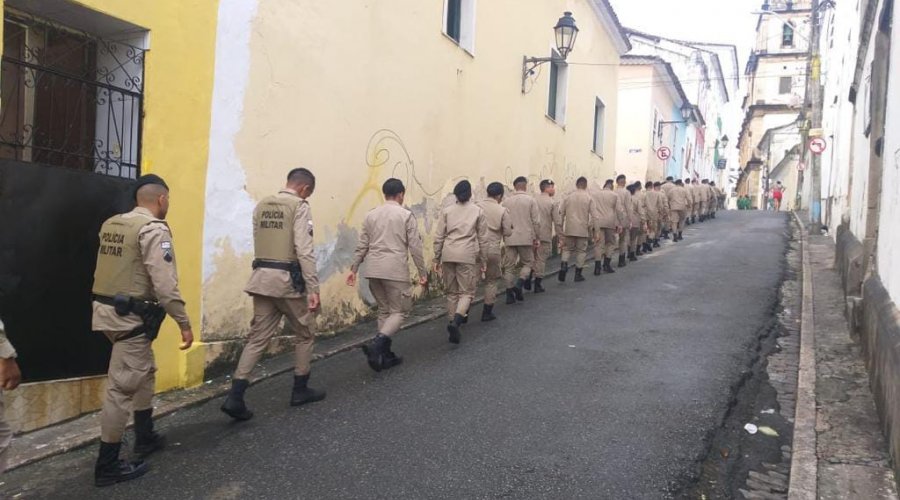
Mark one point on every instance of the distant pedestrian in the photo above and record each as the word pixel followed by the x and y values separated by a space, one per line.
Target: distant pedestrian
pixel 518 255
pixel 389 233
pixel 499 226
pixel 460 243
pixel 777 195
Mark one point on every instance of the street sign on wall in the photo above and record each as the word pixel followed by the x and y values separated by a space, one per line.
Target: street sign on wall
pixel 817 145
pixel 722 163
pixel 664 153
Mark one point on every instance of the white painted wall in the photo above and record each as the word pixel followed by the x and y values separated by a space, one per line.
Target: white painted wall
pixel 888 251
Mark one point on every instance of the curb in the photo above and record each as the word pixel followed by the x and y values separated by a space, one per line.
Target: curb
pixel 804 462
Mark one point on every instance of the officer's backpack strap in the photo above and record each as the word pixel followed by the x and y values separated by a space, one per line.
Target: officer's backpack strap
pixel 292 267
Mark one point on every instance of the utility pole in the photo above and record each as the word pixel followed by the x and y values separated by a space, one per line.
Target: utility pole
pixel 814 99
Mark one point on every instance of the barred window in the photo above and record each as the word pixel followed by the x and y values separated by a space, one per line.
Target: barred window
pixel 69 98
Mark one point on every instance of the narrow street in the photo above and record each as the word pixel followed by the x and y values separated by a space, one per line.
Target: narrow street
pixel 604 389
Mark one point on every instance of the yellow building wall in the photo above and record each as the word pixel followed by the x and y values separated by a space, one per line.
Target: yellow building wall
pixel 362 91
pixel 178 77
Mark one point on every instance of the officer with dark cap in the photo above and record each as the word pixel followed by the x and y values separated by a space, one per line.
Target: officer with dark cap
pixel 135 287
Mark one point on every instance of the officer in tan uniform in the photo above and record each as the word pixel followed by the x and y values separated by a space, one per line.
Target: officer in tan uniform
pixel 283 284
pixel 625 201
pixel 653 203
pixel 679 204
pixel 579 217
pixel 665 188
pixel 704 199
pixel 135 286
pixel 10 376
pixel 611 218
pixel 694 198
pixel 460 242
pixel 520 246
pixel 548 210
pixel 638 221
pixel 499 226
pixel 712 199
pixel 389 233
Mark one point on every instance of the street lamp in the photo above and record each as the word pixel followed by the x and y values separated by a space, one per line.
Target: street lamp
pixel 687 115
pixel 565 33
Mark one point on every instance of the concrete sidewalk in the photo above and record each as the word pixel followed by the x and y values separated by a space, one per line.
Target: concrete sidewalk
pixel 839 449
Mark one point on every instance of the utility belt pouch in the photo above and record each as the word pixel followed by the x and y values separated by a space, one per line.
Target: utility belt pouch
pixel 297 278
pixel 123 304
pixel 152 317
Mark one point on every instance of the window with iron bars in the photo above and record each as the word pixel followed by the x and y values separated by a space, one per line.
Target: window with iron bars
pixel 70 99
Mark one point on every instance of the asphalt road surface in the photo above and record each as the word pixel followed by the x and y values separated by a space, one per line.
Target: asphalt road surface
pixel 603 389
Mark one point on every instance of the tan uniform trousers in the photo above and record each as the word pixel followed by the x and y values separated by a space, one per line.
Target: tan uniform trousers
pixel 267 314
pixel 624 240
pixel 578 246
pixel 704 208
pixel 540 258
pixel 517 257
pixel 5 436
pixel 394 300
pixel 606 243
pixel 678 218
pixel 635 238
pixel 129 384
pixel 492 273
pixel 653 226
pixel 460 282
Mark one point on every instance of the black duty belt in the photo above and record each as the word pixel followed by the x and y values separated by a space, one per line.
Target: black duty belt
pixel 151 314
pixel 271 264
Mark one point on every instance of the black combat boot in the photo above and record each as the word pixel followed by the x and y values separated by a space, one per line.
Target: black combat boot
pixel 538 287
pixel 487 313
pixel 146 440
pixel 110 470
pixel 453 328
pixel 527 284
pixel 621 260
pixel 631 257
pixel 390 359
pixel 598 267
pixel 656 243
pixel 375 351
pixel 563 270
pixel 234 405
pixel 638 251
pixel 510 296
pixel 301 394
pixel 693 219
pixel 680 236
pixel 518 289
pixel 607 266
pixel 578 275
pixel 648 247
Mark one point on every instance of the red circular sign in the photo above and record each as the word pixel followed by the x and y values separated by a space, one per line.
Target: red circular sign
pixel 817 145
pixel 663 153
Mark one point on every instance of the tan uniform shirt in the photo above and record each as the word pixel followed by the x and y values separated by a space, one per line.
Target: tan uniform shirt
pixel 499 223
pixel 6 348
pixel 578 213
pixel 653 200
pixel 158 256
pixel 703 192
pixel 548 210
pixel 389 233
pixel 610 211
pixel 679 198
pixel 526 220
pixel 625 201
pixel 693 195
pixel 711 194
pixel 638 209
pixel 461 234
pixel 277 283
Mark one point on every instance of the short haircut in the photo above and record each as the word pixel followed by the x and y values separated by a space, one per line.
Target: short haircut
pixel 621 177
pixel 657 184
pixel 670 178
pixel 687 181
pixel 392 187
pixel 711 183
pixel 495 189
pixel 520 180
pixel 679 183
pixel 463 191
pixel 301 176
pixel 148 193
pixel 581 182
pixel 648 184
pixel 545 184
pixel 609 182
pixel 630 188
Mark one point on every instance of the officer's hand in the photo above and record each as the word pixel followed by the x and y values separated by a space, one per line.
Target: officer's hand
pixel 423 280
pixel 437 268
pixel 187 339
pixel 10 376
pixel 351 279
pixel 537 244
pixel 312 301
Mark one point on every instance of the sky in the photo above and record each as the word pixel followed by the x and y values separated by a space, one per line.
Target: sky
pixel 716 21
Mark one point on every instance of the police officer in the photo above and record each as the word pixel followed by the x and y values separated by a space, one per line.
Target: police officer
pixel 520 246
pixel 10 376
pixel 638 221
pixel 134 281
pixel 389 233
pixel 499 226
pixel 679 205
pixel 694 198
pixel 665 187
pixel 548 210
pixel 283 284
pixel 704 199
pixel 653 203
pixel 611 218
pixel 460 242
pixel 579 216
pixel 625 201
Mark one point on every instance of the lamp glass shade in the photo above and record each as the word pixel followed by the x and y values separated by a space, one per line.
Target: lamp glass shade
pixel 724 141
pixel 566 32
pixel 687 112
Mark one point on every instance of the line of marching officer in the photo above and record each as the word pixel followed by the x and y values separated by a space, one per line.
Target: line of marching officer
pixel 136 282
